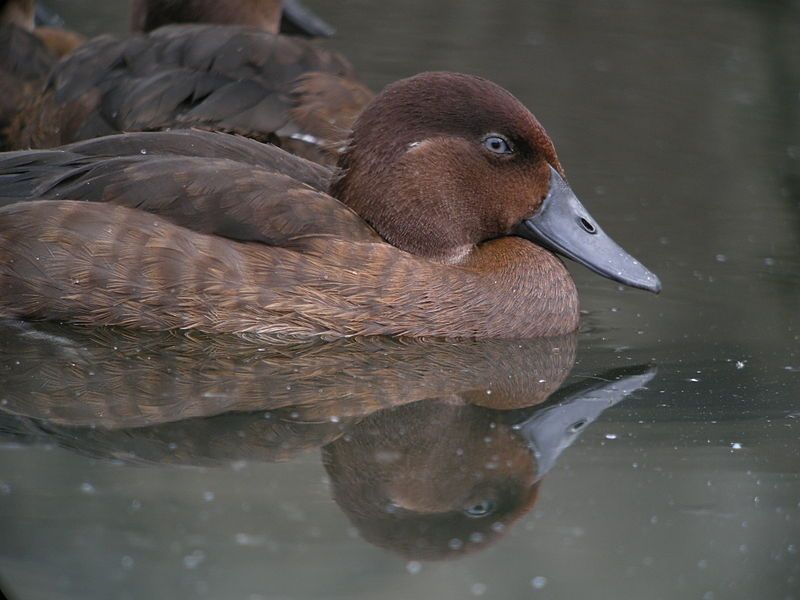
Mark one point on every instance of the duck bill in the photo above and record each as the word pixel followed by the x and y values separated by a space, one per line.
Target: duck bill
pixel 44 17
pixel 564 226
pixel 296 19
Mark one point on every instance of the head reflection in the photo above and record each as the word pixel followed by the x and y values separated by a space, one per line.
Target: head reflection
pixel 439 479
pixel 433 480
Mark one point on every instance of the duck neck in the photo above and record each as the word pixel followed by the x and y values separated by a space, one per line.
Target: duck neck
pixel 520 290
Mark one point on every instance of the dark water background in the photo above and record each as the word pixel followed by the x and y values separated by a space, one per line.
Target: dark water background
pixel 678 124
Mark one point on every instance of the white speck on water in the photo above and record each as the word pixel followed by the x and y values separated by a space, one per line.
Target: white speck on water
pixel 142 151
pixel 693 379
pixel 740 364
pixel 543 381
pixel 721 258
pixel 208 496
pixel 413 567
pixel 127 562
pixel 334 419
pixel 87 488
pixel 736 446
pixel 478 589
pixel 455 544
pixel 538 582
pixel 488 392
pixel 611 436
pixel 246 539
pixel 769 261
pixel 193 560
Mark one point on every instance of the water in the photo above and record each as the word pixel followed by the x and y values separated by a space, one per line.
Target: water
pixel 164 466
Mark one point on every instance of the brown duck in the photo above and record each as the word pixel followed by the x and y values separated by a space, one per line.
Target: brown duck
pixel 441 220
pixel 274 16
pixel 273 88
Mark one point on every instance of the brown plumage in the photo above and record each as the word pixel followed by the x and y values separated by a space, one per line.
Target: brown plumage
pixel 147 15
pixel 273 16
pixel 418 237
pixel 24 65
pixel 21 13
pixel 236 79
pixel 27 54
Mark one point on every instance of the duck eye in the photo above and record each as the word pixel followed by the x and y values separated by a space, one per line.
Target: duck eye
pixel 497 144
pixel 479 509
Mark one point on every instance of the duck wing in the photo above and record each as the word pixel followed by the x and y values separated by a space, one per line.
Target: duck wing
pixel 268 196
pixel 226 78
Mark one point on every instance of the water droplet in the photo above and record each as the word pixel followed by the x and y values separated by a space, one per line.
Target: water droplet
pixel 736 446
pixel 193 560
pixel 413 567
pixel 611 436
pixel 538 582
pixel 455 544
pixel 87 488
pixel 478 589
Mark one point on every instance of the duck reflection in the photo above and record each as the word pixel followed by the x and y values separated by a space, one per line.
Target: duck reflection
pixel 433 448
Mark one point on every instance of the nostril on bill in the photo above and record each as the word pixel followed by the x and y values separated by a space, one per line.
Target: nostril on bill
pixel 587 225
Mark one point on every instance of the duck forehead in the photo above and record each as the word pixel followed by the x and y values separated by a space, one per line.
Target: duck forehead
pixel 473 111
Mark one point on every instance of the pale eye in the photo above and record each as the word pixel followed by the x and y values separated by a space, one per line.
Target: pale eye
pixel 497 144
pixel 480 509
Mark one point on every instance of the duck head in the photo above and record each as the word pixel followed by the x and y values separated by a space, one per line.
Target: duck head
pixel 284 16
pixel 441 162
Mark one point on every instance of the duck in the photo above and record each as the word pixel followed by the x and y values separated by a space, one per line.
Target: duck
pixel 271 87
pixel 273 16
pixel 442 219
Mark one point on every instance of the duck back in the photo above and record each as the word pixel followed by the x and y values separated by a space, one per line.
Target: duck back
pixel 225 78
